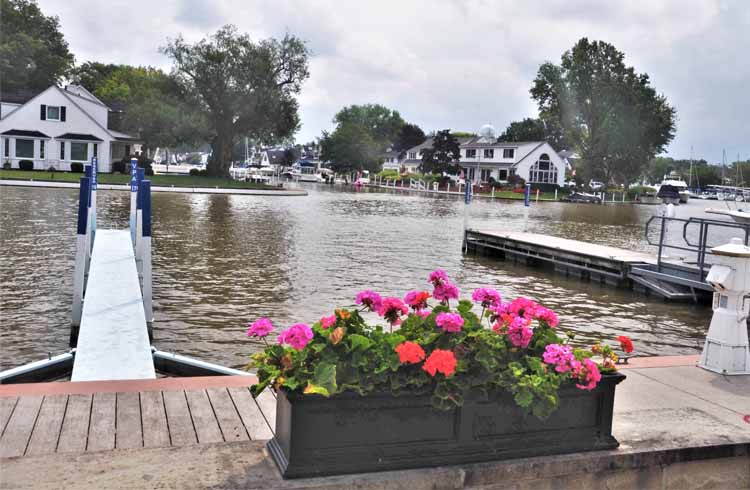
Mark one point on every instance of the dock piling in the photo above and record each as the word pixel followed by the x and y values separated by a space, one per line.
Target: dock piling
pixel 79 275
pixel 145 191
pixel 133 195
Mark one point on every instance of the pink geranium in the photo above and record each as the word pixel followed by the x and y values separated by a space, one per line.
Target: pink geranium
pixel 297 336
pixel 519 334
pixel 523 307
pixel 547 316
pixel 417 299
pixel 370 299
pixel 260 328
pixel 391 309
pixel 588 374
pixel 327 321
pixel 450 322
pixel 560 356
pixel 445 291
pixel 487 297
pixel 438 276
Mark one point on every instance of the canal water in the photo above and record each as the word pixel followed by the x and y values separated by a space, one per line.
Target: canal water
pixel 220 261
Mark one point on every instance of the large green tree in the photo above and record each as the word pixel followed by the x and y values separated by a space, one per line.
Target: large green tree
pixel 609 113
pixel 362 134
pixel 247 88
pixel 92 75
pixel 444 154
pixel 33 51
pixel 409 136
pixel 534 129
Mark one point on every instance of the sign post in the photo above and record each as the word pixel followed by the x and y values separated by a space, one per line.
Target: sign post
pixel 133 195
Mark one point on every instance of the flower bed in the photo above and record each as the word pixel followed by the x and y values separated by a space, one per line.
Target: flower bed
pixel 506 369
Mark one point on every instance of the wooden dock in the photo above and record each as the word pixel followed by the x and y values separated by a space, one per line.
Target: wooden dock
pixel 80 417
pixel 113 340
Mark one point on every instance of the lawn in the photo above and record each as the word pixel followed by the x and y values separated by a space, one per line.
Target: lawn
pixel 157 180
pixel 543 196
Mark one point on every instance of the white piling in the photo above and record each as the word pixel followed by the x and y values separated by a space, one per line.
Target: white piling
pixel 79 274
pixel 537 196
pixel 146 250
pixel 555 194
pixel 493 192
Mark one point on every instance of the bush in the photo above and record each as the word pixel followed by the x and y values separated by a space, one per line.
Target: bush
pixel 76 167
pixel 203 173
pixel 149 171
pixel 194 172
pixel 119 167
pixel 516 180
pixel 51 169
pixel 26 165
pixel 7 166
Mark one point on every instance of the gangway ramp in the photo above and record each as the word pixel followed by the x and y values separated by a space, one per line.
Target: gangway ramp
pixel 113 339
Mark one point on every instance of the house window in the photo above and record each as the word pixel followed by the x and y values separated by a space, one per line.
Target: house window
pixel 489 153
pixel 62 150
pixel 485 175
pixel 53 113
pixel 96 150
pixel 412 155
pixel 471 153
pixel 503 175
pixel 79 152
pixel 24 148
pixel 508 152
pixel 7 147
pixel 41 149
pixel 543 171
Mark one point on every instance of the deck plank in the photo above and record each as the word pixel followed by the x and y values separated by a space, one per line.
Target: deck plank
pixel 267 404
pixel 7 404
pixel 229 420
pixel 48 425
pixel 154 420
pixel 204 419
pixel 254 421
pixel 75 428
pixel 103 420
pixel 129 431
pixel 179 421
pixel 21 424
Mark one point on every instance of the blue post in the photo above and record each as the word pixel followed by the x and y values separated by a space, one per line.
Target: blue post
pixel 145 205
pixel 145 250
pixel 133 195
pixel 94 184
pixel 83 205
pixel 527 196
pixel 81 258
pixel 467 191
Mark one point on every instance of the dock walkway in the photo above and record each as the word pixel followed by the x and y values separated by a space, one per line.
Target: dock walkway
pixel 113 341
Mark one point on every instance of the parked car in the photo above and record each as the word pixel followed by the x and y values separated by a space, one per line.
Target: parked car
pixel 596 185
pixel 582 197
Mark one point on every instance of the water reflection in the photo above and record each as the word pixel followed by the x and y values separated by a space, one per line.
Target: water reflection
pixel 222 260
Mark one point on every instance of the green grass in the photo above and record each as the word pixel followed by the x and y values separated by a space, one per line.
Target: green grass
pixel 157 180
pixel 543 196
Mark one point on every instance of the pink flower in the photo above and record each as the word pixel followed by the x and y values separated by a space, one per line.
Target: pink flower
pixel 560 356
pixel 298 336
pixel 260 328
pixel 327 321
pixel 520 335
pixel 445 291
pixel 547 316
pixel 391 309
pixel 423 313
pixel 488 297
pixel 522 307
pixel 438 276
pixel 417 299
pixel 370 299
pixel 588 374
pixel 450 322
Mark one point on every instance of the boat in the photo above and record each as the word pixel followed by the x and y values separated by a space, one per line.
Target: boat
pixel 674 180
pixel 669 194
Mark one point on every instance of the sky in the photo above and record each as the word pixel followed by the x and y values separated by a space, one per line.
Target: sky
pixel 456 64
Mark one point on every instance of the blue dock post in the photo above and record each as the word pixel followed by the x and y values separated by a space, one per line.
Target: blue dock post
pixel 94 179
pixel 79 275
pixel 145 192
pixel 526 205
pixel 133 195
pixel 139 220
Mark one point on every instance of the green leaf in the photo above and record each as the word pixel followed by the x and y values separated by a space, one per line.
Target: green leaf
pixel 325 377
pixel 359 342
pixel 312 389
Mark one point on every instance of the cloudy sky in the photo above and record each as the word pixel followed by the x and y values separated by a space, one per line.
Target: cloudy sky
pixel 457 64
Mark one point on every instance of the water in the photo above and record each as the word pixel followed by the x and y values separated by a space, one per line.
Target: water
pixel 220 261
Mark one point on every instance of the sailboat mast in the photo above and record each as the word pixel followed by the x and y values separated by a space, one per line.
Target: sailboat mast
pixel 690 176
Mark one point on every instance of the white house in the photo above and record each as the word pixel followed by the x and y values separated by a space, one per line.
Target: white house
pixel 58 127
pixel 391 161
pixel 536 162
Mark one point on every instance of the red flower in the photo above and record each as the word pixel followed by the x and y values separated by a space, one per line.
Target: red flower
pixel 409 352
pixel 625 343
pixel 442 361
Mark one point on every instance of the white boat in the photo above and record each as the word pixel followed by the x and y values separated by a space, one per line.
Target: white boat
pixel 675 181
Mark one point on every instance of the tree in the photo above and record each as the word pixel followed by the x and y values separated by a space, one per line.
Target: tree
pixel 443 154
pixel 92 75
pixel 289 157
pixel 246 88
pixel 33 51
pixel 409 136
pixel 609 113
pixel 532 129
pixel 362 134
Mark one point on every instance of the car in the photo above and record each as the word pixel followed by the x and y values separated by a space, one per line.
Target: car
pixel 582 197
pixel 596 185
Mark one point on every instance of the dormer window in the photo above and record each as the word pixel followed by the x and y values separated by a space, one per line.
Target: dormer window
pixel 508 153
pixel 53 112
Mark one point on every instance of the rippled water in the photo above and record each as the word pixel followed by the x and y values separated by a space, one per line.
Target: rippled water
pixel 222 260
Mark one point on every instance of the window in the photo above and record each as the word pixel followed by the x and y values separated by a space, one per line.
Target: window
pixel 79 152
pixel 412 155
pixel 508 152
pixel 62 150
pixel 489 153
pixel 485 175
pixel 543 171
pixel 53 113
pixel 7 147
pixel 503 175
pixel 471 153
pixel 24 148
pixel 41 149
pixel 96 150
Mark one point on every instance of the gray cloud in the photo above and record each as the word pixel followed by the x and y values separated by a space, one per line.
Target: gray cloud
pixel 457 64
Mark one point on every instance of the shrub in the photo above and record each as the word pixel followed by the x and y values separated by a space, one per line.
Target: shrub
pixel 149 171
pixel 7 166
pixel 76 167
pixel 51 169
pixel 516 180
pixel 203 173
pixel 194 171
pixel 119 167
pixel 26 165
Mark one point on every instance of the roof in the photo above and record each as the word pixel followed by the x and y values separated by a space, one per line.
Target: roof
pixel 78 136
pixel 20 96
pixel 391 154
pixel 478 142
pixel 122 136
pixel 22 132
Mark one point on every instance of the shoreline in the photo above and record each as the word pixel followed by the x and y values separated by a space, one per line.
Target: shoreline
pixel 179 190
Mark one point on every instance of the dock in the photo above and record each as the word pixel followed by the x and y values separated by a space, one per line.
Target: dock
pixel 679 426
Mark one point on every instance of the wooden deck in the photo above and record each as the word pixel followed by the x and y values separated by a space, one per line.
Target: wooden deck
pixel 84 417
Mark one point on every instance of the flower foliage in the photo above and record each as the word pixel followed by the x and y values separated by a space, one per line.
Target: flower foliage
pixel 444 350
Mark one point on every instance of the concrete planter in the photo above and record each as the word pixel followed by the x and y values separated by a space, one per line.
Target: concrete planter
pixel 347 433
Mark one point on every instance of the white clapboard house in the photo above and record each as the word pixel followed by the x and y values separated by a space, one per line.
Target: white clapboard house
pixel 57 127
